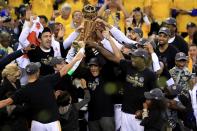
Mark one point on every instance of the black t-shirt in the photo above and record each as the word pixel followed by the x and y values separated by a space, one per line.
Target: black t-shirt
pixel 136 84
pixel 40 98
pixel 100 104
pixel 180 44
pixel 66 84
pixel 39 55
pixel 168 56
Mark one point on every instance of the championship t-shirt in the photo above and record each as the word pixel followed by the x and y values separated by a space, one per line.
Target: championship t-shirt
pixel 137 82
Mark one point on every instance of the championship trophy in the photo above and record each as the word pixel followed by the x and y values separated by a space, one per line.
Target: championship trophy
pixel 89 24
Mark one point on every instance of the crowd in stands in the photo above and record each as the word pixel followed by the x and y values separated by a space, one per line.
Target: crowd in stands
pixel 98 65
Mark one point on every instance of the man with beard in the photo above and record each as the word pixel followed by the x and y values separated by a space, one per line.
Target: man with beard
pixel 138 80
pixel 175 39
pixel 165 51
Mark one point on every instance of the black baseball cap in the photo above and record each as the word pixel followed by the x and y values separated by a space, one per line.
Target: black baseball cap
pixel 138 31
pixel 175 89
pixel 56 60
pixel 32 68
pixel 140 53
pixel 164 30
pixel 46 29
pixel 93 61
pixel 170 21
pixel 142 41
pixel 155 93
pixel 191 25
pixel 180 56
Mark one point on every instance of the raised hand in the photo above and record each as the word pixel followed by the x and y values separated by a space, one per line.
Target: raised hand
pixel 28 48
pixel 55 14
pixel 106 35
pixel 80 28
pixel 106 2
pixel 149 48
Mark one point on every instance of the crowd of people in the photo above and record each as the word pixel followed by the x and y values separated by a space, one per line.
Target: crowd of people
pixel 98 65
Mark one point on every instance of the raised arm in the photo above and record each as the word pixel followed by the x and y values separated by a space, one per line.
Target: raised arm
pixel 86 99
pixel 70 39
pixel 121 6
pixel 117 34
pixel 116 51
pixel 67 67
pixel 9 58
pixel 104 52
pixel 104 6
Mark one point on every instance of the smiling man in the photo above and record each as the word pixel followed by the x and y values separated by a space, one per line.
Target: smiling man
pixel 165 51
pixel 43 53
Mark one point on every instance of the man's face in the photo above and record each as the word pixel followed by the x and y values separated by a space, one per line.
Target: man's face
pixel 5 40
pixel 172 28
pixel 43 22
pixel 66 13
pixel 193 51
pixel 78 17
pixel 95 70
pixel 191 30
pixel 46 40
pixel 137 61
pixel 181 64
pixel 163 39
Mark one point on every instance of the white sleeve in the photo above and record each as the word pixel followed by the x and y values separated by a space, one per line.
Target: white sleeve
pixel 170 82
pixel 71 38
pixel 155 60
pixel 146 20
pixel 118 35
pixel 23 36
pixel 71 54
pixel 56 47
pixel 107 45
pixel 26 24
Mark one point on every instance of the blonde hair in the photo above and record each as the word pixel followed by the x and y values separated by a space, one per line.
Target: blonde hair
pixel 10 69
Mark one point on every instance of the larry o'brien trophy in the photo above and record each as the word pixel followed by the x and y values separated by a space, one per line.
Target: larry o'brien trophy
pixel 88 33
pixel 89 25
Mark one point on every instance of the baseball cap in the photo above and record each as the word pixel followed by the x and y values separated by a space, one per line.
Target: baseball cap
pixel 180 56
pixel 190 25
pixel 46 29
pixel 175 89
pixel 156 94
pixel 140 53
pixel 56 60
pixel 170 21
pixel 164 30
pixel 142 41
pixel 32 68
pixel 138 31
pixel 93 61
